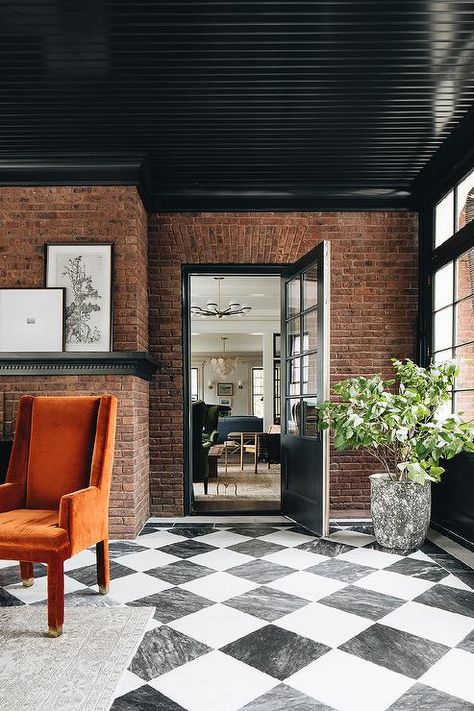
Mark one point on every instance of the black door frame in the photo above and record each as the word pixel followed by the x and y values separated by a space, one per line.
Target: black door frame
pixel 187 271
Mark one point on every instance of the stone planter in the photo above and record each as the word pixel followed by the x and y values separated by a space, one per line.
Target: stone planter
pixel 400 512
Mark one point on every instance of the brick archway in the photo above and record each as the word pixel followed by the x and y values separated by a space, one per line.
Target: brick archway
pixel 373 311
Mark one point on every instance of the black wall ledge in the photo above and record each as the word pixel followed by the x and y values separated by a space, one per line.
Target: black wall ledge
pixel 138 363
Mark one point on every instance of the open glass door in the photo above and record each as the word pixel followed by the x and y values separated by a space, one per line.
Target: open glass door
pixel 305 381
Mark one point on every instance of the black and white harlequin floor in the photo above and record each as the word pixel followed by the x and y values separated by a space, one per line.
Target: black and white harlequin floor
pixel 265 617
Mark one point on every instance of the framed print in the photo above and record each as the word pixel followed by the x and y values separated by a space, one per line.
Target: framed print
pixel 225 389
pixel 85 272
pixel 32 320
pixel 226 401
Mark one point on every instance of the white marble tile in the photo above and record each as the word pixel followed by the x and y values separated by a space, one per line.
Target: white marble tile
pixel 128 682
pixel 80 560
pixel 347 683
pixel 295 558
pixel 159 539
pixel 217 625
pixel 214 682
pixel 324 624
pixel 146 560
pixel 430 622
pixel 219 586
pixel 388 583
pixel 419 555
pixel 135 586
pixel 351 538
pixel 307 585
pixel 370 557
pixel 7 563
pixel 39 590
pixel 287 538
pixel 222 539
pixel 453 674
pixel 452 582
pixel 221 559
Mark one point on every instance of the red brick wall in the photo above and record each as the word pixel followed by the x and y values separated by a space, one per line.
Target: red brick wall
pixel 29 217
pixel 373 311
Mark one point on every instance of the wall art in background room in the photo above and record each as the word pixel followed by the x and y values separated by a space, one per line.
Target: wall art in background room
pixel 31 320
pixel 85 271
pixel 225 389
pixel 227 401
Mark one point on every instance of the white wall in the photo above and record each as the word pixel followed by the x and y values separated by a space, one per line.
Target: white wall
pixel 241 400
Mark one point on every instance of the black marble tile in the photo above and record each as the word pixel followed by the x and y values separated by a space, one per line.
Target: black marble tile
pixel 182 571
pixel 301 529
pixel 145 699
pixel 321 546
pixel 283 698
pixel 119 548
pixel 163 649
pixel 172 604
pixel 398 651
pixel 383 549
pixel 450 599
pixel 256 548
pixel 466 578
pixel 468 643
pixel 266 603
pixel 423 698
pixel 146 530
pixel 88 574
pixel 260 571
pixel 187 549
pixel 11 574
pixel 192 531
pixel 7 600
pixel 365 603
pixel 275 651
pixel 253 530
pixel 424 569
pixel 340 570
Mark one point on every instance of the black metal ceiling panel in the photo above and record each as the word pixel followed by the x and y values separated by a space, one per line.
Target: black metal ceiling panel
pixel 256 104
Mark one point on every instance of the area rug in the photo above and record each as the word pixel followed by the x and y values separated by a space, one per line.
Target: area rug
pixel 75 672
pixel 265 485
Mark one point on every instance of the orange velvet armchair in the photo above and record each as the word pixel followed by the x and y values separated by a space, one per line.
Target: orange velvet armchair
pixel 56 496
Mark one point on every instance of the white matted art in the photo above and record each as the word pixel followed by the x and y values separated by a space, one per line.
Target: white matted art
pixel 31 320
pixel 85 271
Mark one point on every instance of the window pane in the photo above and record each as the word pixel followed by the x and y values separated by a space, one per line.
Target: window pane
pixel 310 287
pixel 310 369
pixel 444 219
pixel 294 341
pixel 443 356
pixel 310 330
pixel 464 402
pixel 293 297
pixel 465 321
pixel 465 201
pixel 194 385
pixel 443 329
pixel 465 360
pixel 465 274
pixel 293 417
pixel 310 417
pixel 293 387
pixel 443 286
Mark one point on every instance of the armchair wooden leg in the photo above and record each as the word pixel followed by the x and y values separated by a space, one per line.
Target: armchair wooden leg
pixel 26 573
pixel 55 598
pixel 103 569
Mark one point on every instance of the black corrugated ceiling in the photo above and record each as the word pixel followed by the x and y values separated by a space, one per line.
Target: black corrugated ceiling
pixel 236 104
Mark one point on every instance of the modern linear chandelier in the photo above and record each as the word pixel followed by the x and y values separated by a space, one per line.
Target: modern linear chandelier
pixel 213 309
pixel 224 365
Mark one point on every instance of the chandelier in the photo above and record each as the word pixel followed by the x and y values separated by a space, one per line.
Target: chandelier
pixel 215 309
pixel 224 365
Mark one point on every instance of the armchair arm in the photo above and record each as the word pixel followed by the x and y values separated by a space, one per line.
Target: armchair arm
pixel 84 515
pixel 12 496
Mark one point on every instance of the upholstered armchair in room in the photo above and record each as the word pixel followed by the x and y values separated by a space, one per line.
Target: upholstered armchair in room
pixel 199 445
pixel 55 499
pixel 212 414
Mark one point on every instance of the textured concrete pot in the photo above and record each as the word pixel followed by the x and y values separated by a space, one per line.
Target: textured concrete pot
pixel 400 512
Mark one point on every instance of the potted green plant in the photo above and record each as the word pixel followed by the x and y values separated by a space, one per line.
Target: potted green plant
pixel 399 422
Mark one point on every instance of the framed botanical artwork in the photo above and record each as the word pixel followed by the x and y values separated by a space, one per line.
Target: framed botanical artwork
pixel 32 320
pixel 225 389
pixel 85 272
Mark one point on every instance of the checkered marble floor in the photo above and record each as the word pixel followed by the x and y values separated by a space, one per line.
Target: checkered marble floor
pixel 265 617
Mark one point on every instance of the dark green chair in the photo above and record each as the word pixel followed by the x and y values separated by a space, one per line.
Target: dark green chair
pixel 212 417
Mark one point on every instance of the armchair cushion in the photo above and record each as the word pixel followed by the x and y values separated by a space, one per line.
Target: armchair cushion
pixel 30 531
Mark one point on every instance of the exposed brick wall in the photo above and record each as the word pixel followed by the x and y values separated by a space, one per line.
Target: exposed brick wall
pixel 373 311
pixel 30 217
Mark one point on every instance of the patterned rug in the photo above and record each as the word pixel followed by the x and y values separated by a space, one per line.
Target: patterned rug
pixel 76 672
